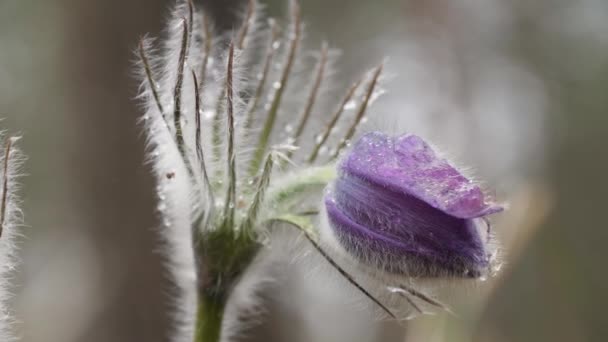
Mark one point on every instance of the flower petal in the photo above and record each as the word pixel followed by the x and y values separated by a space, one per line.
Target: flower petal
pixel 409 166
pixel 403 233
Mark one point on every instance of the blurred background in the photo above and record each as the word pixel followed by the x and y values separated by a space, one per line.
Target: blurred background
pixel 517 89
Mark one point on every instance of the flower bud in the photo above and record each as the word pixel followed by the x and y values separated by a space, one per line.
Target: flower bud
pixel 398 206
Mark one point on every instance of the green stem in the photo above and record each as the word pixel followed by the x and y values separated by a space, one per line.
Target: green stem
pixel 209 319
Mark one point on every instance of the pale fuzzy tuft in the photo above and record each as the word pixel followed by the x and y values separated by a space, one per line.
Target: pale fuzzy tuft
pixel 12 217
pixel 246 308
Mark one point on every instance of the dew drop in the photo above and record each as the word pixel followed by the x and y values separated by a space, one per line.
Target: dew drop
pixel 350 105
pixel 208 114
pixel 376 95
pixel 276 85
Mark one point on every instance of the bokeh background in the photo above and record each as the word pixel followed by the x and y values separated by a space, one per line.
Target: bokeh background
pixel 518 89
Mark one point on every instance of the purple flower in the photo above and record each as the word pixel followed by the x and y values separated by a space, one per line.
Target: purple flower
pixel 399 206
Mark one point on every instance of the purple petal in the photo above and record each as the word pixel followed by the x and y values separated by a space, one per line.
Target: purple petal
pixel 409 166
pixel 375 222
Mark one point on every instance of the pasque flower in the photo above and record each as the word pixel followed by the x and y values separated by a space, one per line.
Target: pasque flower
pixel 397 204
pixel 223 132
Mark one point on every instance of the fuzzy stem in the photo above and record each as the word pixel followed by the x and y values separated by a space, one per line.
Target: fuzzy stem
pixel 150 78
pixel 246 25
pixel 313 93
pixel 278 95
pixel 255 100
pixel 231 194
pixel 360 112
pixel 330 126
pixel 209 319
pixel 7 154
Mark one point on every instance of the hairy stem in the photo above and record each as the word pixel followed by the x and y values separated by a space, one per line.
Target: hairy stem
pixel 312 96
pixel 360 113
pixel 270 52
pixel 7 154
pixel 209 319
pixel 330 126
pixel 278 95
pixel 231 194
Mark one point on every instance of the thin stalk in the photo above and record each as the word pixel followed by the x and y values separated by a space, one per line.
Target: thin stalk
pixel 150 78
pixel 198 143
pixel 258 198
pixel 270 52
pixel 206 49
pixel 276 102
pixel 7 153
pixel 332 123
pixel 190 19
pixel 231 192
pixel 424 297
pixel 312 96
pixel 177 97
pixel 242 35
pixel 341 270
pixel 351 131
